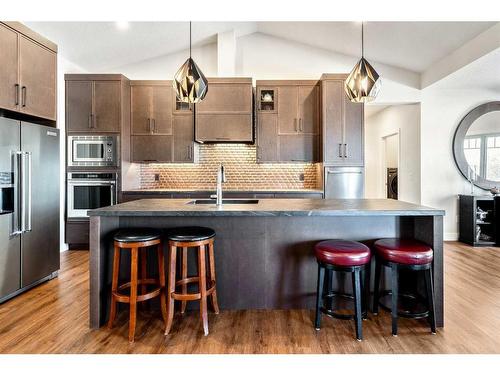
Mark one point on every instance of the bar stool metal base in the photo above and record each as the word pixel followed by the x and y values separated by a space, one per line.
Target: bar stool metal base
pixel 410 305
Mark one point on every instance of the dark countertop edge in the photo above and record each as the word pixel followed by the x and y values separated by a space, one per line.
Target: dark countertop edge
pixel 167 191
pixel 268 213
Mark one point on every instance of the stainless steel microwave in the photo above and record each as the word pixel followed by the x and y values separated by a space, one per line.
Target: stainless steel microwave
pixel 93 151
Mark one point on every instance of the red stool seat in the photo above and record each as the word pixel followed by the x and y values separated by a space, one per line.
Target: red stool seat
pixel 342 253
pixel 403 251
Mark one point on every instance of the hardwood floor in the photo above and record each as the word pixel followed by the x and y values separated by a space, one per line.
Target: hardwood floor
pixel 53 318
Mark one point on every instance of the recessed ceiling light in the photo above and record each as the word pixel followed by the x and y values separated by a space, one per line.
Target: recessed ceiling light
pixel 122 25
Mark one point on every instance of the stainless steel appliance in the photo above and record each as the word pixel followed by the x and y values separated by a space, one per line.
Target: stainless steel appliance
pixel 392 183
pixel 344 182
pixel 93 151
pixel 90 190
pixel 29 198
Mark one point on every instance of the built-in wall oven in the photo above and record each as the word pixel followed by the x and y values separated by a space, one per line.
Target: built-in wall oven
pixel 93 151
pixel 90 190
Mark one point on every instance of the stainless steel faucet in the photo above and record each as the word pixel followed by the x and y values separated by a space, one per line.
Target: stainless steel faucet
pixel 221 178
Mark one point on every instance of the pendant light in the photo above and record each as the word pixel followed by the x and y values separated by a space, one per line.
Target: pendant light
pixel 190 83
pixel 363 83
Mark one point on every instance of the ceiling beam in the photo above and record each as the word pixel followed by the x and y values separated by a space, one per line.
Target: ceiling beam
pixel 226 54
pixel 486 42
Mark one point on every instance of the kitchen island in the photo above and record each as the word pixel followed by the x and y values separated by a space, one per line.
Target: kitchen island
pixel 264 249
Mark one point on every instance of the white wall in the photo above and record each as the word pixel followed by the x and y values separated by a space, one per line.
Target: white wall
pixel 165 67
pixel 442 110
pixel 261 56
pixel 392 151
pixel 405 120
pixel 63 66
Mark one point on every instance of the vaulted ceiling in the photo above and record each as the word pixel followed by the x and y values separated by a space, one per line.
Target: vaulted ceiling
pixel 413 46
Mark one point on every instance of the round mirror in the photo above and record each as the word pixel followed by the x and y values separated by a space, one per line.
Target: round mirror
pixel 476 145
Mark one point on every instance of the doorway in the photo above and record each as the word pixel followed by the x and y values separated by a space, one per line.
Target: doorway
pixel 390 165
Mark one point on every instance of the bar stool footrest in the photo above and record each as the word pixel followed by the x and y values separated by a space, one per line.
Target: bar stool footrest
pixel 124 298
pixel 334 313
pixel 410 305
pixel 192 296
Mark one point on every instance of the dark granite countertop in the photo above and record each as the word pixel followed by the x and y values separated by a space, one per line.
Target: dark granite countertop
pixel 270 191
pixel 269 207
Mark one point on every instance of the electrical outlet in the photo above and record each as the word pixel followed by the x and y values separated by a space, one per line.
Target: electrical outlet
pixel 301 177
pixel 157 177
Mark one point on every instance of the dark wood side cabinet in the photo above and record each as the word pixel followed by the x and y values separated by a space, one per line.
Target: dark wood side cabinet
pixel 474 229
pixel 226 113
pixel 96 103
pixel 162 129
pixel 28 74
pixel 288 121
pixel 342 124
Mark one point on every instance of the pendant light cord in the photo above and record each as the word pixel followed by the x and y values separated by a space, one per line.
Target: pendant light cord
pixel 362 41
pixel 189 39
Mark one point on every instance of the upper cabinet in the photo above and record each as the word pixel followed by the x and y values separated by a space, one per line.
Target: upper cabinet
pixel 28 78
pixel 343 124
pixel 288 125
pixel 226 113
pixel 96 103
pixel 162 128
pixel 152 105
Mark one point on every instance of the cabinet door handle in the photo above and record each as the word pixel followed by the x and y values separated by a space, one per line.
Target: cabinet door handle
pixel 17 93
pixel 154 125
pixel 150 126
pixel 23 96
pixel 340 151
pixel 90 121
pixel 345 150
pixel 300 125
pixel 295 125
pixel 188 152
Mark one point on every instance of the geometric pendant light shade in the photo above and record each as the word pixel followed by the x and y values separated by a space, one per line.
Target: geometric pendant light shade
pixel 190 83
pixel 363 83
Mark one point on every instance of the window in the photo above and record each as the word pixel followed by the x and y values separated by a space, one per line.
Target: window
pixel 482 152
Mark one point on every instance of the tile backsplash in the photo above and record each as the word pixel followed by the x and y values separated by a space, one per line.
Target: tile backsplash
pixel 242 172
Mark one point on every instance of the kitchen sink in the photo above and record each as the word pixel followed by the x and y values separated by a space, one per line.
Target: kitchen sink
pixel 224 201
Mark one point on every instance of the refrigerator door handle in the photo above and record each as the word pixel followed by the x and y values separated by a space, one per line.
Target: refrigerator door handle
pixel 29 210
pixel 16 217
pixel 22 190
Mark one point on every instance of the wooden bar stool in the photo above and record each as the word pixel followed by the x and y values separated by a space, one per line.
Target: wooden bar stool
pixel 199 238
pixel 408 254
pixel 342 256
pixel 136 239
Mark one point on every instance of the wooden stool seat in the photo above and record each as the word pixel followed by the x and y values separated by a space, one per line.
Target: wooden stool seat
pixel 199 238
pixel 134 240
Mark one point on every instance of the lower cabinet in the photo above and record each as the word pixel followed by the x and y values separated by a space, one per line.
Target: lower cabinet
pixel 77 234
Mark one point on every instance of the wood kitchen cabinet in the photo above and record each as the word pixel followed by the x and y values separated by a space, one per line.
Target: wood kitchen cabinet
pixel 147 148
pixel 288 121
pixel 28 78
pixel 185 149
pixel 162 129
pixel 97 103
pixel 152 107
pixel 226 113
pixel 342 124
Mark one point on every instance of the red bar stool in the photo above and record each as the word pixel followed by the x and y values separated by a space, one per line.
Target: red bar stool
pixel 406 254
pixel 342 256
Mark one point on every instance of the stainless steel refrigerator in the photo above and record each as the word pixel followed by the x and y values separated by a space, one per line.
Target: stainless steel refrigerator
pixel 29 205
pixel 344 182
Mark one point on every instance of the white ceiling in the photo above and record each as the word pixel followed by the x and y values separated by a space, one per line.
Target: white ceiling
pixel 409 45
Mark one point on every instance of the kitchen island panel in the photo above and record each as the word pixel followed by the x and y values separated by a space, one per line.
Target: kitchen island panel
pixel 263 262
